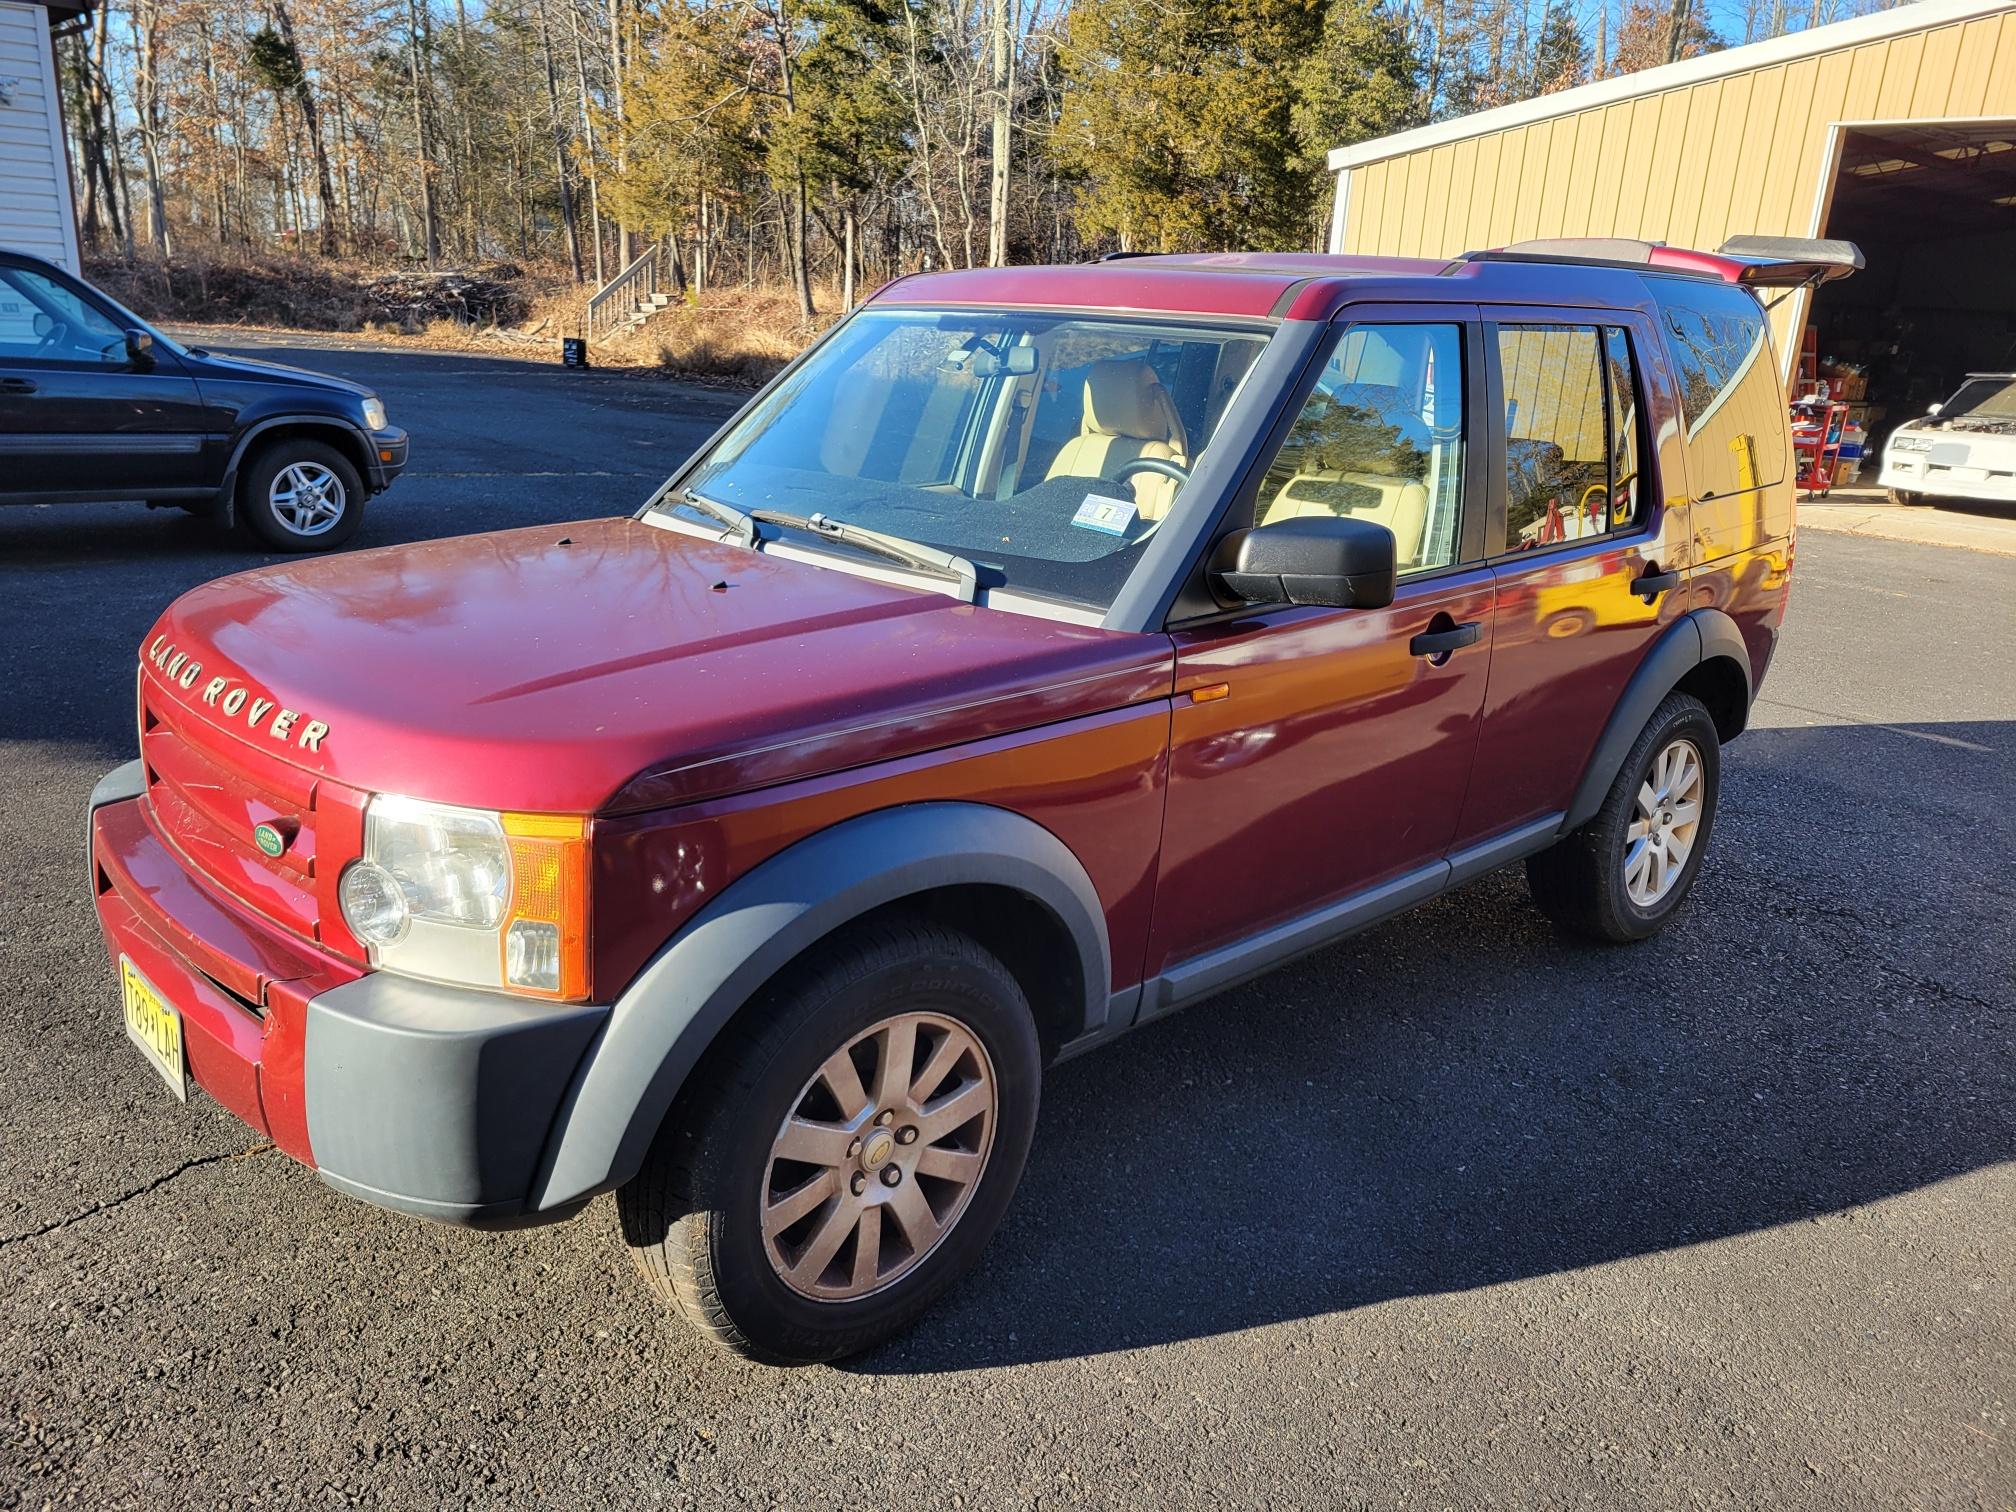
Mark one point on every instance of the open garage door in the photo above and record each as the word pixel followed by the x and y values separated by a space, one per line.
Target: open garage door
pixel 1933 207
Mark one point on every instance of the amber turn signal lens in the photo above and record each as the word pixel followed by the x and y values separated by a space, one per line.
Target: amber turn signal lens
pixel 545 933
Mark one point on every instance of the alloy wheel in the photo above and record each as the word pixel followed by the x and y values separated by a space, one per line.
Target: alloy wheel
pixel 1665 823
pixel 307 498
pixel 882 1150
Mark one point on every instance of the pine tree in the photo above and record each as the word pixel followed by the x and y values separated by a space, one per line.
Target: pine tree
pixel 1193 125
pixel 1560 57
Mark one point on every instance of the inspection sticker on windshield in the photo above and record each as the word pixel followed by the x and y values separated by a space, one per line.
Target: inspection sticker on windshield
pixel 1108 516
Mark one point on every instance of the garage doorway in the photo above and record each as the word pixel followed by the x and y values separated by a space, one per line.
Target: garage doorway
pixel 1932 205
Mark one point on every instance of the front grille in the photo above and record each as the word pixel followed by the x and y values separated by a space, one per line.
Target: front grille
pixel 209 792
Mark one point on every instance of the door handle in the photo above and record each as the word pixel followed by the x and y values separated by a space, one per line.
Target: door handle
pixel 1654 583
pixel 1442 642
pixel 17 385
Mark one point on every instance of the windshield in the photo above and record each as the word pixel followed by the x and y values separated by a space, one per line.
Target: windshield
pixel 1991 398
pixel 1044 448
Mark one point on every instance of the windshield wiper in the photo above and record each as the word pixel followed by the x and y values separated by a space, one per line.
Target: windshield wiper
pixel 909 553
pixel 742 522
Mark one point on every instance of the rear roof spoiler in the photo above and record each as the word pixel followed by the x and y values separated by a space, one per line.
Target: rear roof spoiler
pixel 1756 261
pixel 1782 261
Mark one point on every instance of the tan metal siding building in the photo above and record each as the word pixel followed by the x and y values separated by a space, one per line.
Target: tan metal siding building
pixel 1745 141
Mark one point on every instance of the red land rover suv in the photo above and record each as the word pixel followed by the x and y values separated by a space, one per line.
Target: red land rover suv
pixel 1045 649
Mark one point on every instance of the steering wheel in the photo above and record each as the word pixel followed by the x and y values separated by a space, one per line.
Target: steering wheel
pixel 50 333
pixel 1161 466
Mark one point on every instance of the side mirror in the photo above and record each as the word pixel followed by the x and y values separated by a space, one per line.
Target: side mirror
pixel 1935 409
pixel 1329 560
pixel 140 348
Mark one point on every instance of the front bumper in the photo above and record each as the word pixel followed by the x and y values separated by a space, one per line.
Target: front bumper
pixel 388 456
pixel 1913 472
pixel 429 1099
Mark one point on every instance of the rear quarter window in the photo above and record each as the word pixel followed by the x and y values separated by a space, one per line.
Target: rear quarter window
pixel 1730 397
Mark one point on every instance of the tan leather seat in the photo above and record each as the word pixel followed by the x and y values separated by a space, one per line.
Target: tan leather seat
pixel 1128 414
pixel 1399 503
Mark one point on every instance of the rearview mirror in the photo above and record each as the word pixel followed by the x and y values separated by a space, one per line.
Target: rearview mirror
pixel 140 347
pixel 1935 409
pixel 1328 560
pixel 1016 362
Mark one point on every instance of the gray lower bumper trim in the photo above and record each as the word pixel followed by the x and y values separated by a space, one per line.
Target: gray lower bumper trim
pixel 437 1100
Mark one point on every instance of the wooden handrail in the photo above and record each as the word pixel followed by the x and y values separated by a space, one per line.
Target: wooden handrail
pixel 625 295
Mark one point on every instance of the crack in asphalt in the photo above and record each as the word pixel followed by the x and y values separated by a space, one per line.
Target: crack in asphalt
pixel 140 1191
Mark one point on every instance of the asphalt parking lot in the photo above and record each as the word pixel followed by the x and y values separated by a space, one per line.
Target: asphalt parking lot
pixel 1457 1214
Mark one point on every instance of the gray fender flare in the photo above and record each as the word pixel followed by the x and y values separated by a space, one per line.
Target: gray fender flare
pixel 1688 642
pixel 658 1029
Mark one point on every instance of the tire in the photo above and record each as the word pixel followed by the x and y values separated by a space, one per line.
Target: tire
pixel 693 1216
pixel 1585 882
pixel 262 496
pixel 1909 500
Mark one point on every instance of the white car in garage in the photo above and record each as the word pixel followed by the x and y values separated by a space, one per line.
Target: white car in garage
pixel 1964 449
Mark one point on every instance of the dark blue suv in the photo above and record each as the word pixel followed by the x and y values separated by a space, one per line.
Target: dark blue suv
pixel 95 405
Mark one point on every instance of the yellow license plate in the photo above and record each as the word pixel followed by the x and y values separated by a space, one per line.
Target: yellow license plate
pixel 156 1028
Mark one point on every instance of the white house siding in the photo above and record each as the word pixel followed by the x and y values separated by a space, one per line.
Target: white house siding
pixel 35 209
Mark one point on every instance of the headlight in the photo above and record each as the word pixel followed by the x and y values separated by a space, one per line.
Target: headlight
pixel 473 897
pixel 374 414
pixel 1910 443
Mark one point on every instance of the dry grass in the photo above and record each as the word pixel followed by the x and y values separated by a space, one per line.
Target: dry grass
pixel 734 337
pixel 317 294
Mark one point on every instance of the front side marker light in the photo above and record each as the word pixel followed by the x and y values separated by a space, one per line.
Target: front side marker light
pixel 545 940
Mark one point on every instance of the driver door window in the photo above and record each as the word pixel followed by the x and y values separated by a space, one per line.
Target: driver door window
pixel 41 321
pixel 1381 439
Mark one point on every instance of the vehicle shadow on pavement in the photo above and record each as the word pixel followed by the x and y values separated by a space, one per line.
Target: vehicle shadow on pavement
pixel 1463 1097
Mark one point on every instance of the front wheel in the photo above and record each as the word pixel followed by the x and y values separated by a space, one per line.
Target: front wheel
pixel 301 495
pixel 855 1143
pixel 1623 874
pixel 1908 499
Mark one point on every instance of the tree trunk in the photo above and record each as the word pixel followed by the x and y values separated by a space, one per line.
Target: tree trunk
pixel 90 135
pixel 625 244
pixel 588 140
pixel 311 120
pixel 1003 99
pixel 559 147
pixel 1676 31
pixel 147 91
pixel 417 40
pixel 847 260
pixel 801 271
pixel 700 249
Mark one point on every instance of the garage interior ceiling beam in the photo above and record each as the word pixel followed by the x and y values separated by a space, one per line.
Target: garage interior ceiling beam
pixel 1949 180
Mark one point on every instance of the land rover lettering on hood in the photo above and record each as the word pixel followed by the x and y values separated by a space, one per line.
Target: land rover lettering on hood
pixel 1043 651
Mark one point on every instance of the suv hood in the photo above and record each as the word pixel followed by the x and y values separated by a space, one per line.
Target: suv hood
pixel 613 665
pixel 215 365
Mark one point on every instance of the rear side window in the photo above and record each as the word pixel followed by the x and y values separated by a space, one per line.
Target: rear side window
pixel 1571 433
pixel 1730 397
